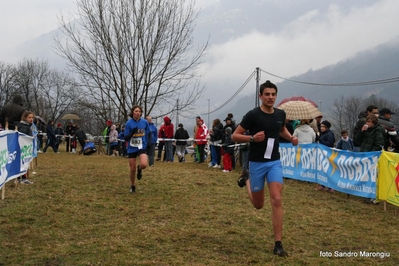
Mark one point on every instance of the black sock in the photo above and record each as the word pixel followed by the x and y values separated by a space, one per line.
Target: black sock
pixel 278 244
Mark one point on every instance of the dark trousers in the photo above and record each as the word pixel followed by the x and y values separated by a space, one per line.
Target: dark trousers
pixel 201 151
pixel 160 148
pixel 40 142
pixel 82 143
pixel 151 153
pixel 67 143
pixel 52 144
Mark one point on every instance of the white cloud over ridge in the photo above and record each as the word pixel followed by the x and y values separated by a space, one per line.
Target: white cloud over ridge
pixel 312 41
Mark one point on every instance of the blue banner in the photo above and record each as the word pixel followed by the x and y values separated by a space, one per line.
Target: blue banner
pixel 353 173
pixel 16 152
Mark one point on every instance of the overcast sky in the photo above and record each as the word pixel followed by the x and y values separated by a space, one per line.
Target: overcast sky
pixel 313 40
pixel 23 20
pixel 316 38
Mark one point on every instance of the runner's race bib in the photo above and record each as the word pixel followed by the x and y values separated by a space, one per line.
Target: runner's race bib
pixel 136 143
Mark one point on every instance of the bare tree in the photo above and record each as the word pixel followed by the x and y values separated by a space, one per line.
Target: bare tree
pixel 59 94
pixel 134 52
pixel 7 87
pixel 346 111
pixel 49 93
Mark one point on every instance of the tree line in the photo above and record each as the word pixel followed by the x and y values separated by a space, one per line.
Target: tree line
pixel 119 53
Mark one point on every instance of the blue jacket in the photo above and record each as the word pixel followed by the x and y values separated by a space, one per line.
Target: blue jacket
pixel 327 138
pixel 154 133
pixel 345 145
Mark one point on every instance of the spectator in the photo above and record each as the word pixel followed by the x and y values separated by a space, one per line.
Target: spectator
pixel 318 122
pixel 345 143
pixel 13 112
pixel 216 136
pixel 181 137
pixel 81 137
pixel 113 141
pixel 390 137
pixel 118 129
pixel 304 132
pixel 154 139
pixel 161 144
pixel 25 126
pixel 371 135
pixel 196 153
pixel 69 132
pixel 326 138
pixel 121 137
pixel 371 138
pixel 41 130
pixel 371 109
pixel 34 134
pixel 73 137
pixel 51 140
pixel 167 133
pixel 59 134
pixel 231 124
pixel 228 148
pixel 326 135
pixel 106 131
pixel 200 140
pixel 290 129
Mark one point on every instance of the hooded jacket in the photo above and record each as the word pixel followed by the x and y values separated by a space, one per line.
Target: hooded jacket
pixel 167 130
pixel 305 134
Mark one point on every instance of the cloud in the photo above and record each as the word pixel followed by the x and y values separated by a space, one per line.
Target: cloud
pixel 314 40
pixel 22 20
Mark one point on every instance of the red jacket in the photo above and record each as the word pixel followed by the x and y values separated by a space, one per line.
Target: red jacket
pixel 166 130
pixel 201 135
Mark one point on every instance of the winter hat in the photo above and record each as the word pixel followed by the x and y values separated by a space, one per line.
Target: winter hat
pixel 385 110
pixel 229 130
pixel 109 122
pixel 326 123
pixel 59 124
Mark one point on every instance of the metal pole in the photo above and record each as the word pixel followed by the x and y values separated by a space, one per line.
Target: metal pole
pixel 209 111
pixel 257 87
pixel 177 113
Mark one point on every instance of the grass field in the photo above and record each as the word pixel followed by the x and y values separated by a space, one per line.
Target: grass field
pixel 79 212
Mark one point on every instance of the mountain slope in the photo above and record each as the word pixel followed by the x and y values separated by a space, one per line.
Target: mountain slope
pixel 379 63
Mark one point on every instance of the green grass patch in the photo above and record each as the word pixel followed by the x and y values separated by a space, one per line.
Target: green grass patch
pixel 79 212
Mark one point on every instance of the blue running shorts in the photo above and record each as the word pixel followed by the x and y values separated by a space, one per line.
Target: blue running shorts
pixel 259 172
